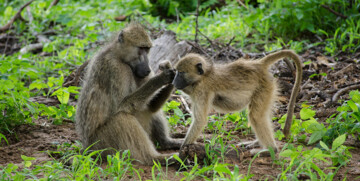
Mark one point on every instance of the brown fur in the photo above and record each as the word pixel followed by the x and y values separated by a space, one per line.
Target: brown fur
pixel 116 109
pixel 233 87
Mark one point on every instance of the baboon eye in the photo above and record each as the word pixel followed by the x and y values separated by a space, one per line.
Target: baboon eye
pixel 199 69
pixel 147 49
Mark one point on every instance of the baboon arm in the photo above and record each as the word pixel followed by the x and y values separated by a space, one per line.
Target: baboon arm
pixel 141 97
pixel 200 111
pixel 94 111
pixel 160 98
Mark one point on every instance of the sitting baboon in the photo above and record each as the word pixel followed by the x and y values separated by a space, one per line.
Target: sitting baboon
pixel 232 87
pixel 119 104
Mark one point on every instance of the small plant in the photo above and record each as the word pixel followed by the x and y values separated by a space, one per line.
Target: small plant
pixel 347 121
pixel 175 115
pixel 340 154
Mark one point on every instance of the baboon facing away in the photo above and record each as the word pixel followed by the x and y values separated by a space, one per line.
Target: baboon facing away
pixel 233 87
pixel 120 100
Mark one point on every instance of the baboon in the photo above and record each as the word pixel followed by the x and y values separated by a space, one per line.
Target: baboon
pixel 231 87
pixel 119 104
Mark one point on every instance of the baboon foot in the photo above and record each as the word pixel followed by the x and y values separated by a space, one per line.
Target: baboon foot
pixel 171 145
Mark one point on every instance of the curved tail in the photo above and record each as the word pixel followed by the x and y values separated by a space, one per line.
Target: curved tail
pixel 271 59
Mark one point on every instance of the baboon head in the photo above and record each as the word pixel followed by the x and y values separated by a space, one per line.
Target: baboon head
pixel 190 70
pixel 135 45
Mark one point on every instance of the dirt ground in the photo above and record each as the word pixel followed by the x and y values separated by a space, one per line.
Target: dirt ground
pixel 322 92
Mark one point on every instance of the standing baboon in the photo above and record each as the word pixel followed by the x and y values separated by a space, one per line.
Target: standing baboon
pixel 232 87
pixel 120 100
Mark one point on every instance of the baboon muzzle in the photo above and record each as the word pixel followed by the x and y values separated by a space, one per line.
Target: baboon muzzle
pixel 142 69
pixel 179 81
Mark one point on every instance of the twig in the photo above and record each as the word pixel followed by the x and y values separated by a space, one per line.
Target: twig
pixel 348 68
pixel 290 65
pixel 185 104
pixel 242 4
pixel 198 47
pixel 17 16
pixel 333 11
pixel 305 84
pixel 41 41
pixel 228 44
pixel 342 91
pixel 196 20
pixel 75 81
pixel 30 16
pixel 53 3
pixel 210 41
pixel 79 71
pixel 6 43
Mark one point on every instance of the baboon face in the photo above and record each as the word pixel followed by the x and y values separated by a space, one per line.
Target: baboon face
pixel 136 44
pixel 189 71
pixel 140 67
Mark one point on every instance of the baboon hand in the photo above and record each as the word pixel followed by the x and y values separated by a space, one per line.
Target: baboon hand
pixel 168 75
pixel 165 65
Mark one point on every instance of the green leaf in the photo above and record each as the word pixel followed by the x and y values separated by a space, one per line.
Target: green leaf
pixel 25 158
pixel 338 141
pixel 3 137
pixel 178 112
pixel 37 85
pixel 286 153
pixel 221 168
pixel 316 136
pixel 299 15
pixel 322 144
pixel 179 160
pixel 307 63
pixel 27 163
pixel 62 94
pixel 306 113
pixel 353 106
pixel 31 108
pixel 8 11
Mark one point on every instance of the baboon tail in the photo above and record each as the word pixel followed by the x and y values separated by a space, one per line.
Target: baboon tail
pixel 274 57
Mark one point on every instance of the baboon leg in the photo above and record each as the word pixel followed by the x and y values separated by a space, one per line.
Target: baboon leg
pixel 260 118
pixel 124 132
pixel 160 133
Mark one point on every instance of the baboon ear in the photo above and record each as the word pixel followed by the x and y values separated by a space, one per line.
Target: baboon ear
pixel 199 69
pixel 121 37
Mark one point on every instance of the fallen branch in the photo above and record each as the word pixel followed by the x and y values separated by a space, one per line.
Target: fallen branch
pixel 17 16
pixel 333 11
pixel 344 90
pixel 36 46
pixel 340 73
